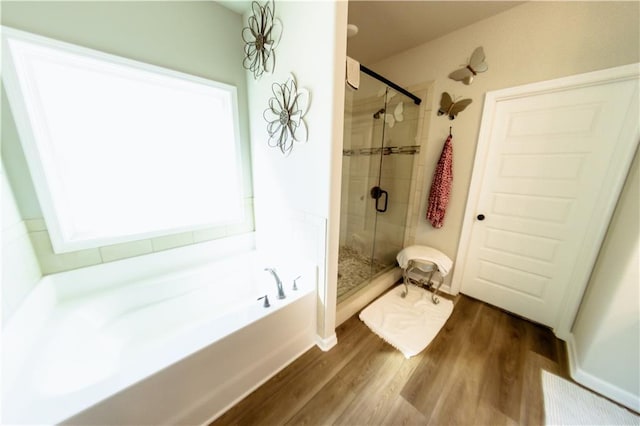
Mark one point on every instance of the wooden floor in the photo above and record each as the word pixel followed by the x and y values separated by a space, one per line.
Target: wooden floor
pixel 483 368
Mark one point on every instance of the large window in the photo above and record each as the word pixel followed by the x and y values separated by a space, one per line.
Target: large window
pixel 120 150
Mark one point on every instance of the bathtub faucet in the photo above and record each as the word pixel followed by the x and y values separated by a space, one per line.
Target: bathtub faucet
pixel 278 282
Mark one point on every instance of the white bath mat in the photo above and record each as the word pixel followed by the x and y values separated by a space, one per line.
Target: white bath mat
pixel 568 404
pixel 409 324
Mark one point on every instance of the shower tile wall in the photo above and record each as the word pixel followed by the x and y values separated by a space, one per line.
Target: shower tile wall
pixel 51 262
pixel 20 271
pixel 414 213
pixel 359 132
pixel 397 172
pixel 360 174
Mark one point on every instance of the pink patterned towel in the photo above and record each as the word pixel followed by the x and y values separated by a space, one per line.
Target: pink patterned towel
pixel 441 186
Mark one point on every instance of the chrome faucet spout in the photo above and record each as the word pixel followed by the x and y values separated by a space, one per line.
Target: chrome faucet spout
pixel 281 294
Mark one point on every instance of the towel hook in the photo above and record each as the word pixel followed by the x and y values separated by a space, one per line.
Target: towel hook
pixel 450 131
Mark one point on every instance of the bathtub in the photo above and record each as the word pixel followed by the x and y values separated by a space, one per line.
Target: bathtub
pixel 153 340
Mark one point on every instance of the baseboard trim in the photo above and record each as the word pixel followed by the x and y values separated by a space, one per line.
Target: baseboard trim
pixel 596 384
pixel 325 344
pixel 293 347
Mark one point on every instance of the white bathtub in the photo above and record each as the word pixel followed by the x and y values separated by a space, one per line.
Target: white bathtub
pixel 135 341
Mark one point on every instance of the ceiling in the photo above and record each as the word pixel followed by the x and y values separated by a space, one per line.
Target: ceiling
pixel 387 27
pixel 390 27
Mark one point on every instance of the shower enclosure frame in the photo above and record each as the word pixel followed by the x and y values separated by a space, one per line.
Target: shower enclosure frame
pixel 391 84
pixel 354 302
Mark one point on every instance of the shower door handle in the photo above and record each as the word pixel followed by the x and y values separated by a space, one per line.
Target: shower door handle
pixel 386 200
pixel 377 193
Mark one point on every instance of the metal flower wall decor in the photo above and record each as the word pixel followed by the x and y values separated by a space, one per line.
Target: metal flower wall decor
pixel 261 38
pixel 285 114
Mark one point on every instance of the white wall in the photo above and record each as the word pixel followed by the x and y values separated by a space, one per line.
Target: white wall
pixel 533 42
pixel 605 348
pixel 20 271
pixel 292 193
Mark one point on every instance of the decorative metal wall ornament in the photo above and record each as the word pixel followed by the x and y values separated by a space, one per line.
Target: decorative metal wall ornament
pixel 285 114
pixel 261 38
pixel 451 108
pixel 476 65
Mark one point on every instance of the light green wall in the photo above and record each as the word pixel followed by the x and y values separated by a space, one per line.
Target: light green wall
pixel 200 38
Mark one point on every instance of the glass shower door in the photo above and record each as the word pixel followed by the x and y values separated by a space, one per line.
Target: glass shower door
pixel 379 125
pixel 399 149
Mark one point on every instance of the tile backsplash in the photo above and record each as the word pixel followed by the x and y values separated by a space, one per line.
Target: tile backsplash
pixel 51 262
pixel 19 266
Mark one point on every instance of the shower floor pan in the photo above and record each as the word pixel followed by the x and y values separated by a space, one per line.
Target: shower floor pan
pixel 354 271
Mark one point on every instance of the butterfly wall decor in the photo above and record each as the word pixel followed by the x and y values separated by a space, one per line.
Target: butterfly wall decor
pixel 386 91
pixel 451 108
pixel 476 65
pixel 397 115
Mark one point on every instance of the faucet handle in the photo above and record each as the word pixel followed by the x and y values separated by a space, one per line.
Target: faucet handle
pixel 295 285
pixel 266 303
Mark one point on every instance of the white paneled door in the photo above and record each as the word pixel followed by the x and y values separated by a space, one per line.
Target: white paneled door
pixel 549 166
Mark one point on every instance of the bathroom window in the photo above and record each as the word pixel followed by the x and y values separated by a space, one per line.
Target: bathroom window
pixel 121 150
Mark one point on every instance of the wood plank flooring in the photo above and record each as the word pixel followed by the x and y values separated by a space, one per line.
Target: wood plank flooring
pixel 483 368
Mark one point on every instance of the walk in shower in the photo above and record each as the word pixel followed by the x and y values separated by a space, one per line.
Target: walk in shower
pixel 380 146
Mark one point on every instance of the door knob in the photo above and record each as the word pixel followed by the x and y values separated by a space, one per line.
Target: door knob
pixel 480 217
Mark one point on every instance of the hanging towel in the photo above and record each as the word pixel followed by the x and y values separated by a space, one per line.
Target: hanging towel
pixel 441 186
pixel 353 73
pixel 442 261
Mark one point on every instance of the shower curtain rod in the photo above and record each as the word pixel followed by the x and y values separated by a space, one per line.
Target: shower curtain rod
pixel 390 83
